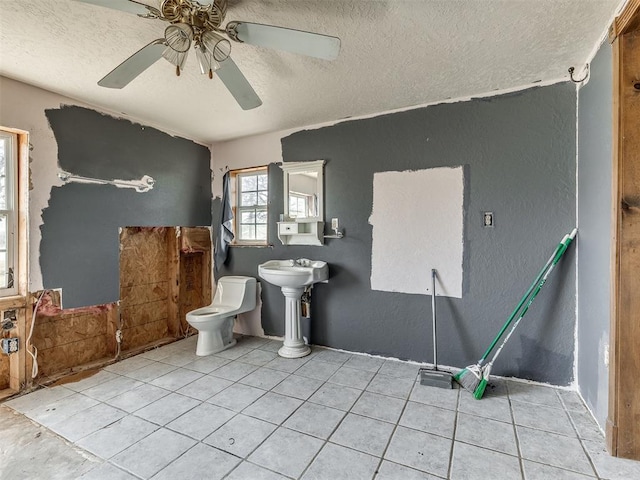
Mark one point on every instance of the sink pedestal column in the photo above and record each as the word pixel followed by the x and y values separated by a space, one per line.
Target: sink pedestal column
pixel 294 346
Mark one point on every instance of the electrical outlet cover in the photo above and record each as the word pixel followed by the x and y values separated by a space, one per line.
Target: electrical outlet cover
pixel 10 345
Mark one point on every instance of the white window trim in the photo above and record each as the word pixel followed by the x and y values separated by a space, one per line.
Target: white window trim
pixel 237 210
pixel 12 213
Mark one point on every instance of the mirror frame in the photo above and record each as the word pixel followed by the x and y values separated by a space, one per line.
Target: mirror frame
pixel 299 167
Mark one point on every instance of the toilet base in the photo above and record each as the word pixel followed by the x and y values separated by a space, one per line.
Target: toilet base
pixel 208 346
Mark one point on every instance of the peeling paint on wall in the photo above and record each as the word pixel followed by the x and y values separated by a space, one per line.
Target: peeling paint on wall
pixel 418 223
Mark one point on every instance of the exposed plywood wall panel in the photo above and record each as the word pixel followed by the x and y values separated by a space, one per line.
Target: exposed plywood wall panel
pixel 70 338
pixel 144 285
pixel 194 271
pixel 4 371
pixel 165 272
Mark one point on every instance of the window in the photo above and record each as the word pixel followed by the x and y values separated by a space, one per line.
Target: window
pixel 8 212
pixel 251 199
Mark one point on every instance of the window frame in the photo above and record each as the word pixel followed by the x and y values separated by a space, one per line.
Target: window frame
pixel 235 194
pixel 11 210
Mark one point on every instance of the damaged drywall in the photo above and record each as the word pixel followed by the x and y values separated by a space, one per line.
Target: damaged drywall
pixel 80 239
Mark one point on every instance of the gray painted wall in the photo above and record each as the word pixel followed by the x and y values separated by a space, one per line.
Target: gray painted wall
pixel 80 240
pixel 594 219
pixel 519 156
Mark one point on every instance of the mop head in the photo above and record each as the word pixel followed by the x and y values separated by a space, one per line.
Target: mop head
pixel 469 378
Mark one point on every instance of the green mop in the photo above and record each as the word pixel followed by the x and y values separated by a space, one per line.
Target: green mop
pixel 471 376
pixel 486 370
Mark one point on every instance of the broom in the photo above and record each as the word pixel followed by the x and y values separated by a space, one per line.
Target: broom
pixel 486 370
pixel 470 377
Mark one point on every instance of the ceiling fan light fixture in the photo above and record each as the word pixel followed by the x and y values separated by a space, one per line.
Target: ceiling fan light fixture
pixel 207 63
pixel 218 46
pixel 175 58
pixel 179 36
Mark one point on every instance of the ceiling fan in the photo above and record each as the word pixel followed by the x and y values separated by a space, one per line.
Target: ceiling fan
pixel 200 25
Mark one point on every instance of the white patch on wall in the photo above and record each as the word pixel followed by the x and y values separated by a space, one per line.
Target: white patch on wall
pixel 417 220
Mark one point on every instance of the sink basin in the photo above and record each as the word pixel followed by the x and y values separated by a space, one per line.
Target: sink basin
pixel 294 273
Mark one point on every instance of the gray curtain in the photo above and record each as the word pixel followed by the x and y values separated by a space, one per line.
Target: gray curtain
pixel 225 234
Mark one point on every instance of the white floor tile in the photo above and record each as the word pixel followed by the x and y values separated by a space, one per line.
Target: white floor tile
pixel 249 471
pixel 138 397
pixel 397 369
pixel 351 377
pixel 487 433
pixel 537 471
pixel 240 435
pixel 127 365
pixel 611 468
pixel 298 387
pixel 114 438
pixel 363 362
pixel 273 408
pixel 206 364
pixel 394 387
pixel 106 471
pixel 316 420
pixel 234 371
pixel 335 396
pixel 88 382
pixel 393 471
pixel 276 452
pixel 111 388
pixel 363 433
pixel 200 462
pixel 167 408
pixel 151 454
pixel 380 407
pixel 335 462
pixel 441 397
pixel 422 451
pixel 542 417
pixel 428 418
pixel 201 421
pixel 474 463
pixel 553 449
pixel 205 387
pixel 87 421
pixel 151 371
pixel 176 379
pixel 50 413
pixel 237 397
pixel 264 378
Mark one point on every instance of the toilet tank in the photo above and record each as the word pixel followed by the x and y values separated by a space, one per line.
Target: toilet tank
pixel 238 292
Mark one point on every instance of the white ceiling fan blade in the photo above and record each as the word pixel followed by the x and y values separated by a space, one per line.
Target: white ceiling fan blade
pixel 287 39
pixel 134 65
pixel 129 6
pixel 238 85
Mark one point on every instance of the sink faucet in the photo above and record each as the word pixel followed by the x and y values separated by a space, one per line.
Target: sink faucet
pixel 303 262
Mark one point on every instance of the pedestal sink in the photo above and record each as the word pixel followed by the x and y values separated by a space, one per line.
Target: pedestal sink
pixel 293 276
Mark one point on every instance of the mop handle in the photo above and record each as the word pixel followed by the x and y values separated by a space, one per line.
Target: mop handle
pixel 565 245
pixel 433 316
pixel 524 299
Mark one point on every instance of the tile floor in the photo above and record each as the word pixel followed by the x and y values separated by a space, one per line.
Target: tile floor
pixel 246 413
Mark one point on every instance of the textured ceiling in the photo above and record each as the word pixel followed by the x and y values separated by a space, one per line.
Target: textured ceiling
pixel 395 54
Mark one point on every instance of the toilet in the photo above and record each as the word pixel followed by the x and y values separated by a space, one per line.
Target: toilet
pixel 214 323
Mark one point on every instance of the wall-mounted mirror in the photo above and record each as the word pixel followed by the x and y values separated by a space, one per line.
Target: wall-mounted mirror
pixel 303 186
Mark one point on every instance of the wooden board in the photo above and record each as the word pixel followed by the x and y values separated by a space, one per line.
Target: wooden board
pixel 71 338
pixel 4 371
pixel 623 426
pixel 144 285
